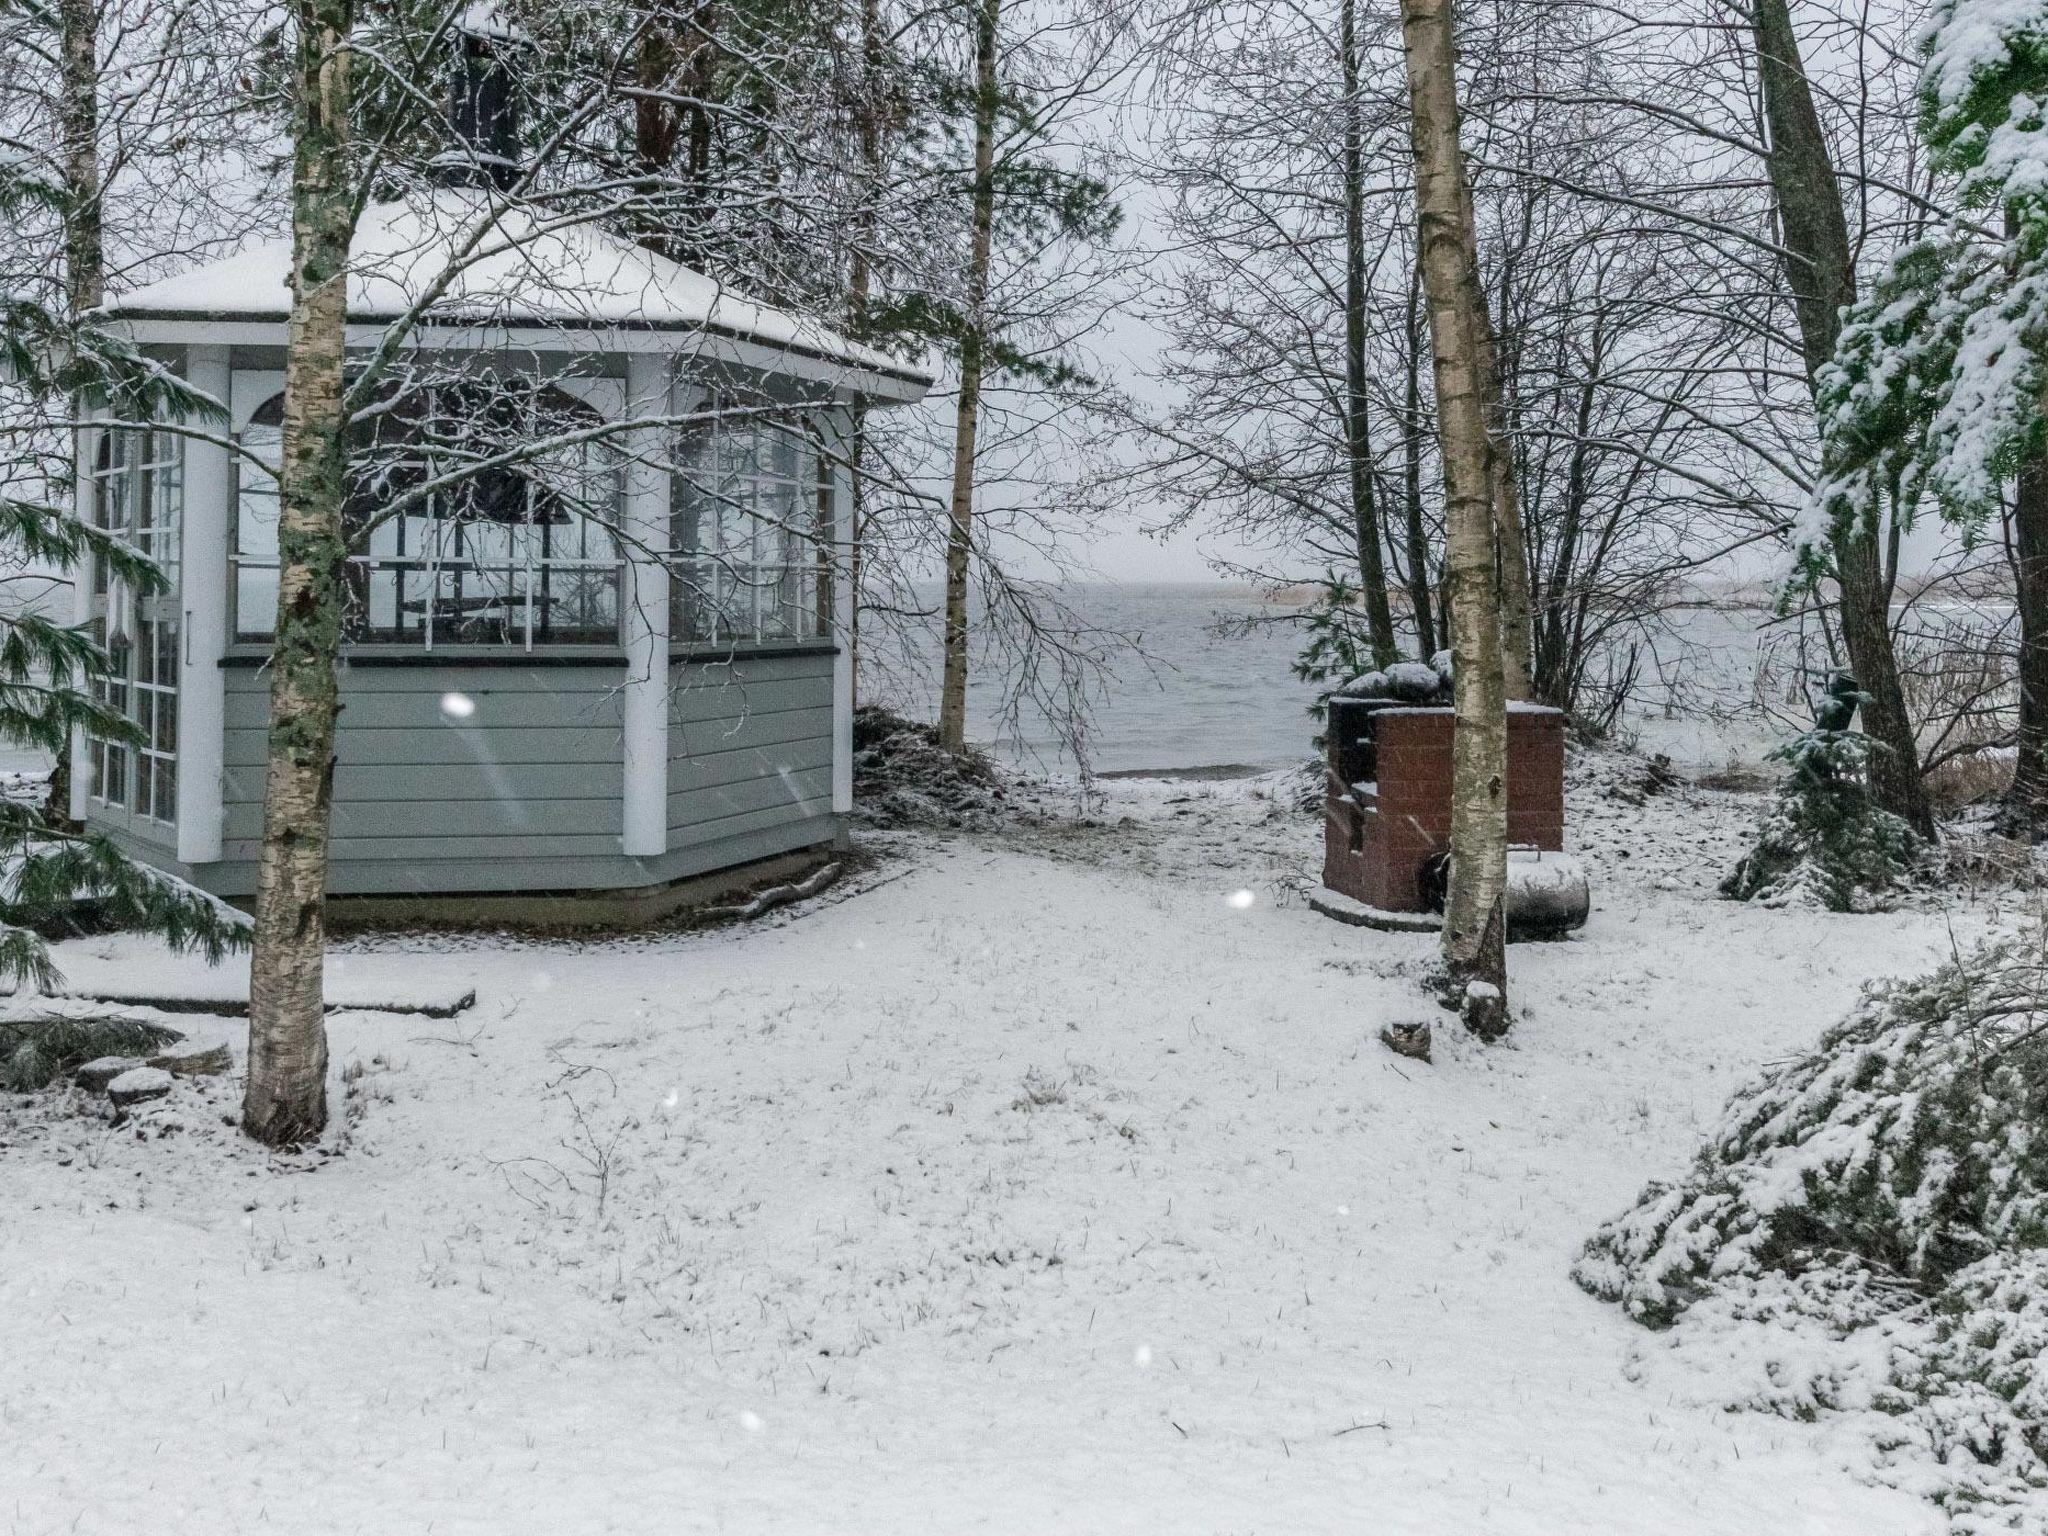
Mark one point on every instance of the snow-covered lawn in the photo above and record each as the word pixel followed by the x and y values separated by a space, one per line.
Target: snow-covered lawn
pixel 1042 1188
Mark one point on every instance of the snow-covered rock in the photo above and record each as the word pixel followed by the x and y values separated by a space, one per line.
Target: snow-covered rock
pixel 94 1076
pixel 138 1085
pixel 195 1058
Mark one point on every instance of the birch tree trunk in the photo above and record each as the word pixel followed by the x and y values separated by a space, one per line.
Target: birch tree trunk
pixel 1475 911
pixel 960 524
pixel 1372 571
pixel 286 1100
pixel 1820 270
pixel 84 222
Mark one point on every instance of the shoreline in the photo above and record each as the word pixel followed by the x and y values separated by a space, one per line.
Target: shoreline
pixel 1201 773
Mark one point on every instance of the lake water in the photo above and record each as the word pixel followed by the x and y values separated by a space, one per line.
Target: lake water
pixel 1215 687
pixel 1208 689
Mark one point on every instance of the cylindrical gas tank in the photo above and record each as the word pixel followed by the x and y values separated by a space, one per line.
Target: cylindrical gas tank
pixel 1548 894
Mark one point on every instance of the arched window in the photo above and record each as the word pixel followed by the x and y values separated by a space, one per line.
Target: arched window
pixel 752 530
pixel 476 516
pixel 138 483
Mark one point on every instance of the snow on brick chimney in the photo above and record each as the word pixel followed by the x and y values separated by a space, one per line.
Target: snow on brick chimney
pixel 483 105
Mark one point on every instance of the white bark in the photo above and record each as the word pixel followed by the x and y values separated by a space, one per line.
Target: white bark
pixel 1475 909
pixel 967 413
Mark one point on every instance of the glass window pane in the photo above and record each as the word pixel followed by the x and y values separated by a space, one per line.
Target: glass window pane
pixel 255 602
pixel 256 488
pixel 746 508
pixel 138 486
pixel 381 584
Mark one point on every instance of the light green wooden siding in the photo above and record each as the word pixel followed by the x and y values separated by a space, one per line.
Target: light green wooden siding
pixel 750 746
pixel 524 794
pixel 532 774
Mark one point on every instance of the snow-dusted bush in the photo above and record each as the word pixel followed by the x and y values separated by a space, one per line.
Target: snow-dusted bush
pixel 1825 841
pixel 902 777
pixel 43 1043
pixel 1890 1186
pixel 1980 1389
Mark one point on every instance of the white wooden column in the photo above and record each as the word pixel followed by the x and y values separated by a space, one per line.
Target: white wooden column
pixel 203 601
pixel 85 442
pixel 645 596
pixel 838 441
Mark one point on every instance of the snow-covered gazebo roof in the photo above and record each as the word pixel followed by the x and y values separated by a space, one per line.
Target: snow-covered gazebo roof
pixel 527 282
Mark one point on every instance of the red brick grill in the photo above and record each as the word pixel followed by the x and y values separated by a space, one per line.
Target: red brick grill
pixel 1387 810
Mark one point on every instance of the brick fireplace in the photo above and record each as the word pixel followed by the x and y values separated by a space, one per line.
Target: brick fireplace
pixel 1387 809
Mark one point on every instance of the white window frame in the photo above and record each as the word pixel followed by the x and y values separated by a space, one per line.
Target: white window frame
pixel 141 635
pixel 440 561
pixel 726 468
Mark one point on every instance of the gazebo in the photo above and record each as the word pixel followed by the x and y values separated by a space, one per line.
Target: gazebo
pixel 608 670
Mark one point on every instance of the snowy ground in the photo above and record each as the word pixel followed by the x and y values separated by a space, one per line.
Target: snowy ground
pixel 1047 1186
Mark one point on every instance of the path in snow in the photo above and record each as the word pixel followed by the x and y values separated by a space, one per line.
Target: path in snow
pixel 1045 1189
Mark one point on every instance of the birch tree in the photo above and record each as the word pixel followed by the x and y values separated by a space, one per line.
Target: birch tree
pixel 1037 216
pixel 373 431
pixel 987 18
pixel 1475 910
pixel 1632 447
pixel 285 1095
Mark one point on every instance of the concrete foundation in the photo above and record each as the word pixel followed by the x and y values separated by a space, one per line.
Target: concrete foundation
pixel 596 910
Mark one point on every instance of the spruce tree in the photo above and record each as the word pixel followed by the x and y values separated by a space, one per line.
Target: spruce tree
pixel 1934 398
pixel 53 674
pixel 1825 838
